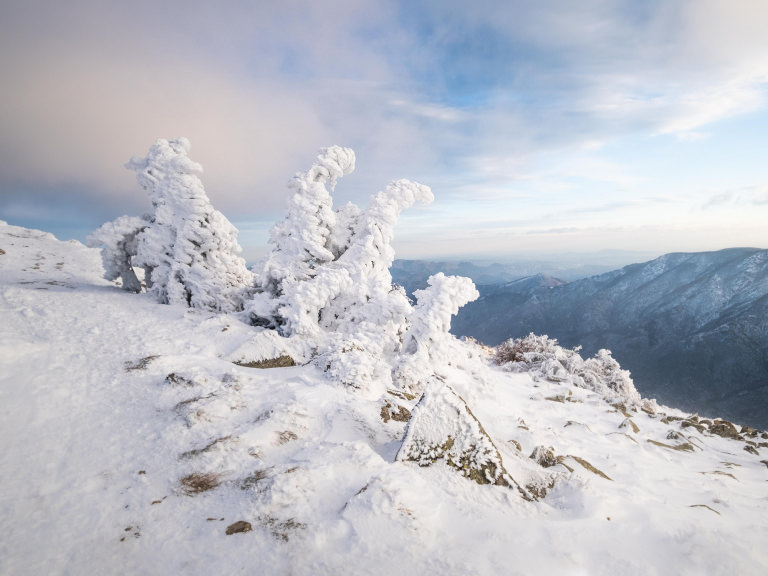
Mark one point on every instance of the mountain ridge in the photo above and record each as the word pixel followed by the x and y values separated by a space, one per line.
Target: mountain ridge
pixel 664 320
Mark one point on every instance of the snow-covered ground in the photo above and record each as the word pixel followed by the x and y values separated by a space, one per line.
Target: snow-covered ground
pixel 130 442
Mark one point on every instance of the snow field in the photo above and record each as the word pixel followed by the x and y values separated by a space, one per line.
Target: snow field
pixel 111 404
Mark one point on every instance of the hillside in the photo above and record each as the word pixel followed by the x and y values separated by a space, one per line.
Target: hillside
pixel 136 435
pixel 691 328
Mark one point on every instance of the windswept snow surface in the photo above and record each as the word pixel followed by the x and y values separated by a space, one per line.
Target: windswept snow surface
pixel 111 403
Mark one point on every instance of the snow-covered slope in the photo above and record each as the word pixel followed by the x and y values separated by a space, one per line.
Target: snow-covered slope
pixel 131 442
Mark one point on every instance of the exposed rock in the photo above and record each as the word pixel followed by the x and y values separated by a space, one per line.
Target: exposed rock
pixel 395 412
pixel 544 457
pixel 749 432
pixel 442 427
pixel 751 450
pixel 238 527
pixel 693 422
pixel 670 419
pixel 725 429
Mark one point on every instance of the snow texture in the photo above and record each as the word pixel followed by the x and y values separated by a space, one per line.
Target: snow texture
pixel 130 442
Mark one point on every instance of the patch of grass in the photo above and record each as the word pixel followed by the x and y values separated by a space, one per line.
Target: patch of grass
pixel 286 436
pixel 178 380
pixel 282 529
pixel 629 422
pixel 684 447
pixel 591 468
pixel 188 401
pixel 209 446
pixel 621 407
pixel 283 361
pixel 704 506
pixel 199 482
pixel 251 482
pixel 623 434
pixel 140 364
pixel 721 473
pixel 562 398
pixel 574 423
pixel 561 461
pixel 402 395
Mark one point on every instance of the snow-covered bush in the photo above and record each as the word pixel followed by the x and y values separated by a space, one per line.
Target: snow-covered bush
pixel 545 359
pixel 188 250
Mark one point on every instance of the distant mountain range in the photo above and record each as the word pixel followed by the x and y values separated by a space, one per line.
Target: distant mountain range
pixel 413 274
pixel 692 328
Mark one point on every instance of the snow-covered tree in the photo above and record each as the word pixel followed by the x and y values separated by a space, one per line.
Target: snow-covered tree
pixel 427 343
pixel 327 277
pixel 303 241
pixel 325 265
pixel 188 250
pixel 118 241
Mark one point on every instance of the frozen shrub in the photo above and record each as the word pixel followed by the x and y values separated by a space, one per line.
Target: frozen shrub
pixel 544 358
pixel 526 350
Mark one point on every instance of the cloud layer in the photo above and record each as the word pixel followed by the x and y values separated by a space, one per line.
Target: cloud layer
pixel 547 110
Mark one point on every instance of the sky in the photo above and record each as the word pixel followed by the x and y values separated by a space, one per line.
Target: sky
pixel 541 127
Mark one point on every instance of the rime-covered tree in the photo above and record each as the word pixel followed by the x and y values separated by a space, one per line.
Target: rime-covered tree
pixel 360 306
pixel 427 343
pixel 118 242
pixel 188 250
pixel 305 239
